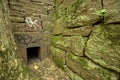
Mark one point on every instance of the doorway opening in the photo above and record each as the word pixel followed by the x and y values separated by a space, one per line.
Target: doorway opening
pixel 32 54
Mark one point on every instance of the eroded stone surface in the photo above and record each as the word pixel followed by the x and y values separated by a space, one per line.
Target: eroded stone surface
pixel 74 44
pixel 103 46
pixel 88 70
pixel 113 11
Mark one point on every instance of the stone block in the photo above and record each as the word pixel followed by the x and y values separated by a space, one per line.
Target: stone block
pixel 46 26
pixel 24 39
pixel 103 46
pixel 71 74
pixel 62 43
pixel 45 18
pixel 88 70
pixel 23 53
pixel 58 26
pixel 84 13
pixel 78 45
pixel 18 27
pixel 59 57
pixel 74 44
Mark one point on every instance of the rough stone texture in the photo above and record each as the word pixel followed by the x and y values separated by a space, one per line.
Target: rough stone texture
pixel 87 38
pixel 74 44
pixel 11 64
pixel 40 10
pixel 58 56
pixel 34 33
pixel 84 13
pixel 72 75
pixel 58 26
pixel 113 11
pixel 104 45
pixel 87 69
pixel 26 40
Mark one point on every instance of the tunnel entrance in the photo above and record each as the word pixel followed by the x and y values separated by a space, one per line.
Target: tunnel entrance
pixel 32 53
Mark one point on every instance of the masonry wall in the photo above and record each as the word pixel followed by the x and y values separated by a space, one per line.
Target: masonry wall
pixel 86 38
pixel 31 25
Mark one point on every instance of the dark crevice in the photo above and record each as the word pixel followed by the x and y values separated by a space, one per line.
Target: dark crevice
pixel 98 22
pixel 41 22
pixel 59 3
pixel 65 57
pixel 87 41
pixel 102 4
pixel 114 23
pixel 17 21
pixel 119 77
pixel 74 27
pixel 9 3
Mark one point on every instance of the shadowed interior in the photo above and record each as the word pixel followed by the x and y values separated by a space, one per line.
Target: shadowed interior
pixel 32 53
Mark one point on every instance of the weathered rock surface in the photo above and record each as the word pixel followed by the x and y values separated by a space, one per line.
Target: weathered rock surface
pixel 113 11
pixel 74 44
pixel 83 13
pixel 89 48
pixel 58 56
pixel 88 70
pixel 103 47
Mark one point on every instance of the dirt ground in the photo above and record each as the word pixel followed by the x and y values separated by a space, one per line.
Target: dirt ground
pixel 47 69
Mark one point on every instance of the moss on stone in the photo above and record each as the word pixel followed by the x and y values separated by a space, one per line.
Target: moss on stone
pixel 59 63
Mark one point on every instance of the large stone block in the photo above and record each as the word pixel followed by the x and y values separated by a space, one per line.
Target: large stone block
pixel 28 27
pixel 103 47
pixel 82 13
pixel 74 44
pixel 59 56
pixel 88 70
pixel 24 39
pixel 58 26
pixel 78 45
pixel 62 43
pixel 47 26
pixel 71 74
pixel 113 11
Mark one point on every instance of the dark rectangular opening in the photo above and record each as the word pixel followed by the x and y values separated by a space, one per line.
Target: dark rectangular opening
pixel 33 53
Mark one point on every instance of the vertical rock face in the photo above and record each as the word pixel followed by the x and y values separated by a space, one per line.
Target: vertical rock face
pixel 11 66
pixel 103 46
pixel 85 41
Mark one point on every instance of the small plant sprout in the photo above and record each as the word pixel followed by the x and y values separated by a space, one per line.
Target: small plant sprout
pixel 101 13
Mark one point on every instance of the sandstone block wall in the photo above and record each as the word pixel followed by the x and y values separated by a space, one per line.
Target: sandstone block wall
pixel 85 41
pixel 31 25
